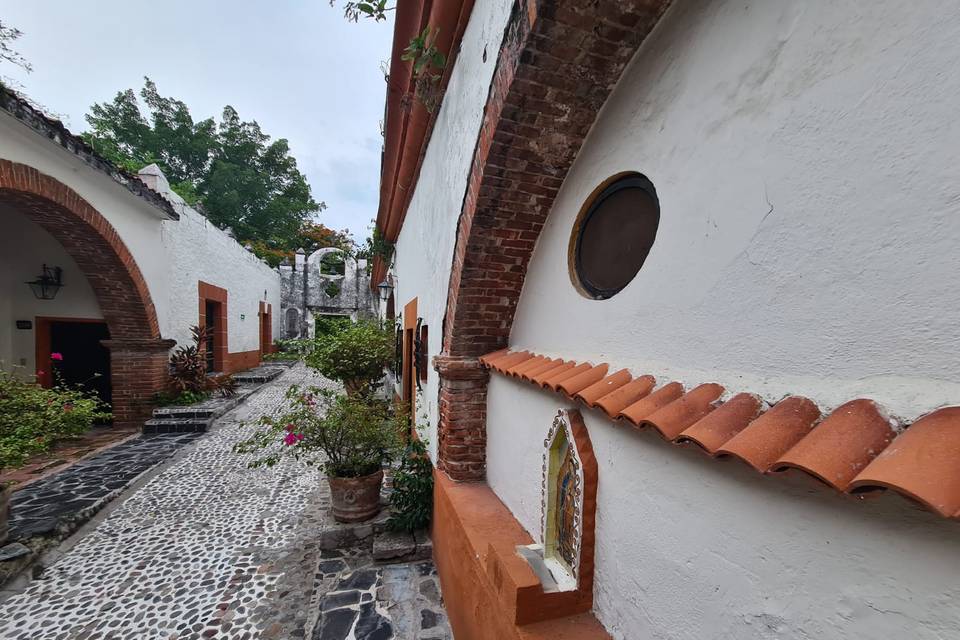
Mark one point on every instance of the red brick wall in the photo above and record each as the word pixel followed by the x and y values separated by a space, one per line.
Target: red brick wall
pixel 138 355
pixel 556 67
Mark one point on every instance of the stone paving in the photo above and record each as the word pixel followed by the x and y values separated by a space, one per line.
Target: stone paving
pixel 208 548
pixel 61 502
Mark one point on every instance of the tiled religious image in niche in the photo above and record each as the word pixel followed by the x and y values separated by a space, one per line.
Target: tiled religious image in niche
pixel 562 504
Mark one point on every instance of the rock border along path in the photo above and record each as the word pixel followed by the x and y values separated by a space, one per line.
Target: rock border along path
pixel 209 548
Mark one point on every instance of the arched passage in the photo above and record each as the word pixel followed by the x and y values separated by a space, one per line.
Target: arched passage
pixel 138 355
pixel 556 67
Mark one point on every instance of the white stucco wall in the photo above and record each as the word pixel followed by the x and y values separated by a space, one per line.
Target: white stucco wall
pixel 691 548
pixel 424 250
pixel 136 221
pixel 24 248
pixel 197 250
pixel 807 161
pixel 172 255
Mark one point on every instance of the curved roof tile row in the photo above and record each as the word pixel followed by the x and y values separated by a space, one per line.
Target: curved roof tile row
pixel 854 449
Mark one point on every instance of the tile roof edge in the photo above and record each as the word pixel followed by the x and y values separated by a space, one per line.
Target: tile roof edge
pixel 888 469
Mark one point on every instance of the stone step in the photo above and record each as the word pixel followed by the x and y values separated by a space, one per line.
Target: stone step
pixel 177 425
pixel 185 412
pixel 392 547
pixel 260 375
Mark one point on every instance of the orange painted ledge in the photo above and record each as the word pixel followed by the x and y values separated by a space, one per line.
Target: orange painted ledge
pixel 489 591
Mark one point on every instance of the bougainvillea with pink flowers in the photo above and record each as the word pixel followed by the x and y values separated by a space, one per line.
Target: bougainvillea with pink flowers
pixel 346 436
pixel 33 418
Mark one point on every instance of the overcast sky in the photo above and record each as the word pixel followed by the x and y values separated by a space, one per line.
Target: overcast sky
pixel 295 66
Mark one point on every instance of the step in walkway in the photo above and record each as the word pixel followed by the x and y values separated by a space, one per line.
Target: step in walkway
pixel 197 418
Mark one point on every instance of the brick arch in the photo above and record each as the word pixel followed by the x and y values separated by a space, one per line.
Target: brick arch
pixel 557 65
pixel 138 354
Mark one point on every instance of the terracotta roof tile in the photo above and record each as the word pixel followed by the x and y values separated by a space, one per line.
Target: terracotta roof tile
pixel 504 363
pixel 540 378
pixel 673 418
pixel 518 369
pixel 573 385
pixel 922 463
pixel 842 445
pixel 613 403
pixel 608 385
pixel 543 367
pixel 639 410
pixel 729 419
pixel 772 434
pixel 553 381
pixel 491 358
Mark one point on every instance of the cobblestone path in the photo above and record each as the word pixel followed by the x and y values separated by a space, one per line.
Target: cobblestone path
pixel 207 549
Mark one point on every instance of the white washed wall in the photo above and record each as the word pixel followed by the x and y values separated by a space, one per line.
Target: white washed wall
pixel 24 248
pixel 136 221
pixel 691 548
pixel 197 250
pixel 424 250
pixel 171 255
pixel 806 160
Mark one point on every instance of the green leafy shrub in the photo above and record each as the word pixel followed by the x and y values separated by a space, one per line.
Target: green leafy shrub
pixel 327 325
pixel 291 348
pixel 188 372
pixel 186 398
pixel 412 498
pixel 32 418
pixel 355 355
pixel 346 436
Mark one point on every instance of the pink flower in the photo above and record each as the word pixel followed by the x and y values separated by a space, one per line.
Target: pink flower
pixel 68 407
pixel 56 356
pixel 290 427
pixel 299 437
pixel 291 439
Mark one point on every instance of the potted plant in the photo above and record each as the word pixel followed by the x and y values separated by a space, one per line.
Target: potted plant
pixel 349 437
pixel 354 355
pixel 32 419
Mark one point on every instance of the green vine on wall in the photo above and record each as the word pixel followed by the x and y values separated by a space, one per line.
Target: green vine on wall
pixel 428 60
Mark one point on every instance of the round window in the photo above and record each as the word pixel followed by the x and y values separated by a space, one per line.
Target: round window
pixel 613 236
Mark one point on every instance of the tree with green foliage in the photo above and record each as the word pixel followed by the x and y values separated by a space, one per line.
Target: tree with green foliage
pixel 233 170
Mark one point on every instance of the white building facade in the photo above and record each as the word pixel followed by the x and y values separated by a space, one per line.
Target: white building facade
pixel 139 268
pixel 802 162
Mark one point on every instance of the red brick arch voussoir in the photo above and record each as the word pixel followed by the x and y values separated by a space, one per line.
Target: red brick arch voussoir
pixel 138 354
pixel 556 67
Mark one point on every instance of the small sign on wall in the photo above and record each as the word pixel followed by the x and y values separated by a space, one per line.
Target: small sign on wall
pixel 24 324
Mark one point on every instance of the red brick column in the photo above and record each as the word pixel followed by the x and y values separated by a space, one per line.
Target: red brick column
pixel 139 370
pixel 557 65
pixel 462 442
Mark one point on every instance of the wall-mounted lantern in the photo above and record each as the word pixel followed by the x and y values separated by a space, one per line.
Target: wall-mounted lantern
pixel 47 284
pixel 386 288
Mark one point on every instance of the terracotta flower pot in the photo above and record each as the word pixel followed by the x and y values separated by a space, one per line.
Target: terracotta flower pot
pixel 4 513
pixel 355 499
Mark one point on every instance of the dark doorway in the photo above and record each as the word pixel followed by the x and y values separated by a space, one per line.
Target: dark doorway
pixel 85 362
pixel 211 314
